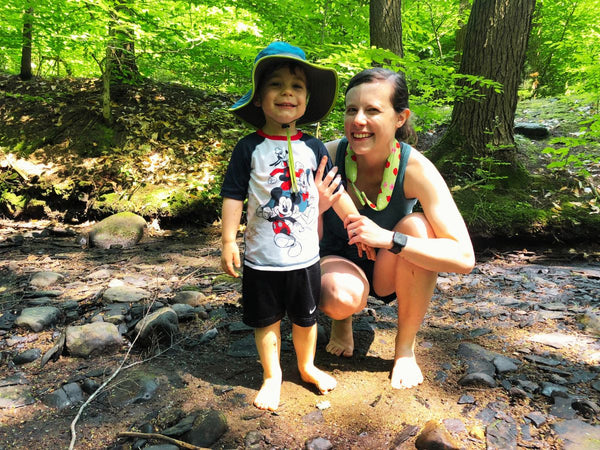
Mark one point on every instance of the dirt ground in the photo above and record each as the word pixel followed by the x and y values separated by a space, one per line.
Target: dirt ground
pixel 363 412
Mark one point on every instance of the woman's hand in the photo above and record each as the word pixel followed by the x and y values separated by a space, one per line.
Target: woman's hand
pixel 361 229
pixel 327 186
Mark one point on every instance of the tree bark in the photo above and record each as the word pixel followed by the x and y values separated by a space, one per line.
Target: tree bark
pixel 26 73
pixel 124 62
pixel 495 44
pixel 385 25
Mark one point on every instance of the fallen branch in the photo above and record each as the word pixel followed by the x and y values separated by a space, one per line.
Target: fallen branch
pixel 162 437
pixel 103 385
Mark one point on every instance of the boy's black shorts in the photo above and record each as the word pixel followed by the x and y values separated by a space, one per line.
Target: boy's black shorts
pixel 268 295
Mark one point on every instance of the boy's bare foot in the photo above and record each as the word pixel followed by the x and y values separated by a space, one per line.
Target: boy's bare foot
pixel 406 373
pixel 322 380
pixel 269 394
pixel 341 342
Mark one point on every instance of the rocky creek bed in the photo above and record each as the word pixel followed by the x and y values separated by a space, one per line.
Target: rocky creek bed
pixel 510 353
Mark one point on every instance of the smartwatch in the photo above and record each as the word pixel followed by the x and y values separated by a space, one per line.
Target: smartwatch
pixel 398 242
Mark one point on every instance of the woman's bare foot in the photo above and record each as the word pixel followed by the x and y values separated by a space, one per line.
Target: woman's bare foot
pixel 341 342
pixel 322 380
pixel 268 395
pixel 406 373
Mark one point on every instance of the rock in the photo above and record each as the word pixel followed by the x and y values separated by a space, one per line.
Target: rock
pixel 541 360
pixel 44 279
pixel 209 335
pixel 531 130
pixel 586 408
pixel 125 294
pixel 313 417
pixel 122 230
pixel 194 298
pixel 207 429
pixel 90 386
pixel 7 320
pixel 253 439
pixel 504 364
pixel 243 348
pixel 537 418
pixel 501 434
pixel 454 425
pixel 433 436
pixel 15 396
pixel 27 356
pixel 183 426
pixel 38 318
pixel 184 311
pixel 563 408
pixel 407 432
pixel 550 389
pixel 318 443
pixel 161 325
pixel 480 365
pixel 477 379
pixel 466 399
pixel 64 397
pixel 590 322
pixel 577 434
pixel 133 387
pixel 93 339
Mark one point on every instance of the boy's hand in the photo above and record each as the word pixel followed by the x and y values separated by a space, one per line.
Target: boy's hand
pixel 230 257
pixel 326 186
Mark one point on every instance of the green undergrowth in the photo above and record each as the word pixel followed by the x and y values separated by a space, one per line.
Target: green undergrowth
pixel 167 149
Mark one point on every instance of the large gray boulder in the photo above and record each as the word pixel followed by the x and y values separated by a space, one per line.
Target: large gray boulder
pixel 38 318
pixel 93 339
pixel 161 325
pixel 123 230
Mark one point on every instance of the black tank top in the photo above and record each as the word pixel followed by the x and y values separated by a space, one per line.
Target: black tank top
pixel 335 237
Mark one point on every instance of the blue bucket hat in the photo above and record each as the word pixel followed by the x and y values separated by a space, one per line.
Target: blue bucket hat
pixel 322 85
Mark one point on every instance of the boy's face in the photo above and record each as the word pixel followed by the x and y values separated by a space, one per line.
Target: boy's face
pixel 282 97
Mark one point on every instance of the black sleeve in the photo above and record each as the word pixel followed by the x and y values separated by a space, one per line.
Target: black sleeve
pixel 237 177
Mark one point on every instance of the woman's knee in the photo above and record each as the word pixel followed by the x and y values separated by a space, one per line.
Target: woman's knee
pixel 415 224
pixel 342 295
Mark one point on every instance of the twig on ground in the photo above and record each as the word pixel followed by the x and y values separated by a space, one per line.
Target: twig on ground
pixel 162 437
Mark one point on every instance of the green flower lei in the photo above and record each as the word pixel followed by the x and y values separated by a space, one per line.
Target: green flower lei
pixel 387 183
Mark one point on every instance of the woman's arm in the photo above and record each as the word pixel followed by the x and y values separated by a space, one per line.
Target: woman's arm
pixel 451 249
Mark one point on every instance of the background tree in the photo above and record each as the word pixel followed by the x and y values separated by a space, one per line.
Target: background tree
pixel 26 73
pixel 385 25
pixel 495 45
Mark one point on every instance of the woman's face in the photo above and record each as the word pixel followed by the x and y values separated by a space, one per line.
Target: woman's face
pixel 370 121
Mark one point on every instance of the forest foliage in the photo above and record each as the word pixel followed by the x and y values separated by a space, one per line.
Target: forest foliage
pixel 209 45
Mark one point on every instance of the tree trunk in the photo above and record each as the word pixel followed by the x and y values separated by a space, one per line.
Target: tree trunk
pixel 495 44
pixel 124 63
pixel 385 25
pixel 106 76
pixel 26 73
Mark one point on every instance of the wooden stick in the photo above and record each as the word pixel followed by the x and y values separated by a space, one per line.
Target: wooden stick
pixel 161 437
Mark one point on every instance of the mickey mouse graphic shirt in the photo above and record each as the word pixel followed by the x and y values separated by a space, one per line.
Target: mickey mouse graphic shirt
pixel 281 232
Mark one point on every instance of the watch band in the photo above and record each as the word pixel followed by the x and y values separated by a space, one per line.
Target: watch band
pixel 398 242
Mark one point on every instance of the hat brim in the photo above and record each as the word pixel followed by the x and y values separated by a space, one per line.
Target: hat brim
pixel 322 84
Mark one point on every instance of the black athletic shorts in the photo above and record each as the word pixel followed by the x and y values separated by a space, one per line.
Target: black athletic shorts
pixel 268 295
pixel 368 267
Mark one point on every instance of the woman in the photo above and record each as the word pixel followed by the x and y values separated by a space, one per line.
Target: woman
pixel 385 179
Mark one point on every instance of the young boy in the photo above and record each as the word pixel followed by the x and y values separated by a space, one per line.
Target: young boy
pixel 274 168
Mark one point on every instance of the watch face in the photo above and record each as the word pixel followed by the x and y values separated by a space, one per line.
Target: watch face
pixel 399 241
